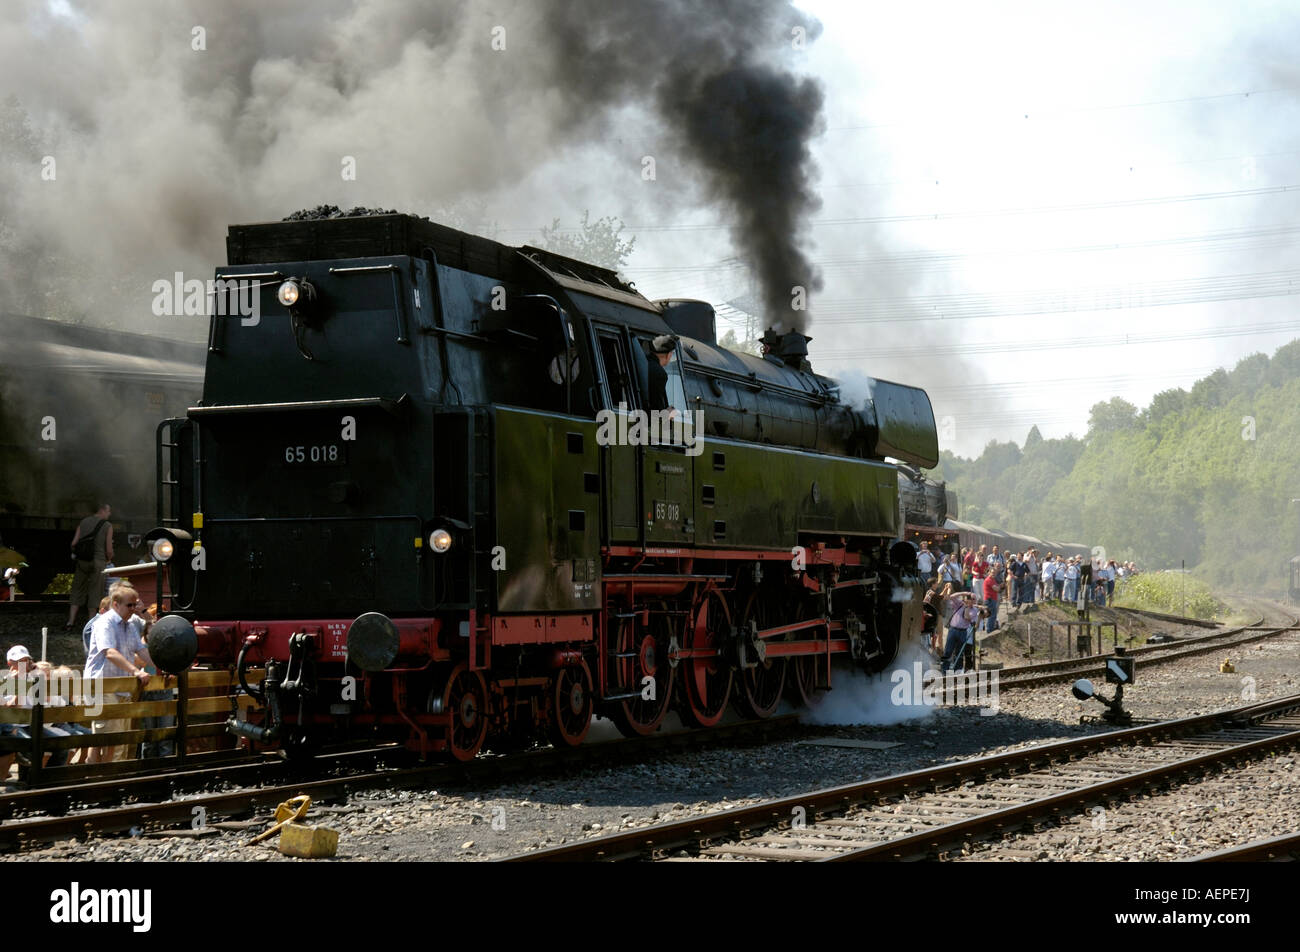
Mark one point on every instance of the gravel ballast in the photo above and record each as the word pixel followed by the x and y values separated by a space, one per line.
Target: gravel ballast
pixel 561 807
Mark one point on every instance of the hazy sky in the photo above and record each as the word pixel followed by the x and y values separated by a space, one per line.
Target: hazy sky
pixel 1023 184
pixel 1025 207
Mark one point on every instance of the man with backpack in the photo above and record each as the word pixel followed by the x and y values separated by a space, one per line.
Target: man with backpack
pixel 92 548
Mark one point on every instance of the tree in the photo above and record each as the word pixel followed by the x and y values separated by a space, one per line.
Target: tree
pixel 1250 374
pixel 1204 475
pixel 733 343
pixel 597 242
pixel 996 459
pixel 1034 437
pixel 467 214
pixel 1211 392
pixel 1165 403
pixel 1285 365
pixel 1113 416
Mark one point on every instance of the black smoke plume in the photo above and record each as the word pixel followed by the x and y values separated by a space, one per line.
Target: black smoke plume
pixel 172 121
pixel 710 70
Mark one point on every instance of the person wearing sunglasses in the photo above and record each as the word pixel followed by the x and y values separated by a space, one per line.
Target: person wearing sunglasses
pixel 116 649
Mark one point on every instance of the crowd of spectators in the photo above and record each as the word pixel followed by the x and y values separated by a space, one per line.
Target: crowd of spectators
pixel 967 589
pixel 115 648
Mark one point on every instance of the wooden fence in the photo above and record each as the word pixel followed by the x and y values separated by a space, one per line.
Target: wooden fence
pixel 200 703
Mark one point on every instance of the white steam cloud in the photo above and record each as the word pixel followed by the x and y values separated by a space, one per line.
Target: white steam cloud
pixel 860 698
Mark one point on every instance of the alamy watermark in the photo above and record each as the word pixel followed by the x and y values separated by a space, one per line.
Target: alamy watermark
pixel 624 427
pixel 81 692
pixel 76 904
pixel 224 297
pixel 931 687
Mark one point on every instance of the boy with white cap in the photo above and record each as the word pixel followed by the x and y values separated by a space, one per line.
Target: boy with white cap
pixel 22 671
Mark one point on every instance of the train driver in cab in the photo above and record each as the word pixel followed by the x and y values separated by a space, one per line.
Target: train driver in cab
pixel 663 347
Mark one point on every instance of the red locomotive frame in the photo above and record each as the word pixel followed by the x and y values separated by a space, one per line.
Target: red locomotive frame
pixel 666 634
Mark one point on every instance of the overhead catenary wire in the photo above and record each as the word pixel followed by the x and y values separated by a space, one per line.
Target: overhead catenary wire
pixel 940 259
pixel 1068 343
pixel 1001 390
pixel 974 213
pixel 1024 112
pixel 967 305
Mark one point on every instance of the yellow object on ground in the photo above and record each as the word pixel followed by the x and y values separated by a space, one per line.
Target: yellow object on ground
pixel 309 842
pixel 298 839
pixel 294 809
pixel 1227 667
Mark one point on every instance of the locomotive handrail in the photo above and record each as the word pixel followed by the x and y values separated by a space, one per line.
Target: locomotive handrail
pixel 387 404
pixel 476 338
pixel 751 380
pixel 252 275
pixel 364 268
pixel 566 334
pixel 669 576
pixel 399 304
pixel 231 520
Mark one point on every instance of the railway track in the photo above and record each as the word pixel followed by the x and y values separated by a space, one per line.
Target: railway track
pixel 1275 849
pixel 140 779
pixel 1164 616
pixel 1052 672
pixel 938 811
pixel 159 801
pixel 150 799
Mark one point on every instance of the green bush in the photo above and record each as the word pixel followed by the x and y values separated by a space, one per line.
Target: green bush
pixel 1165 592
pixel 59 585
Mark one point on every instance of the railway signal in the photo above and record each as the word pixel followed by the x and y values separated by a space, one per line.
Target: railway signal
pixel 1119 672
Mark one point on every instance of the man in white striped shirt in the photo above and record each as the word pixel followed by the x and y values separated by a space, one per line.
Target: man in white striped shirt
pixel 1072 580
pixel 116 649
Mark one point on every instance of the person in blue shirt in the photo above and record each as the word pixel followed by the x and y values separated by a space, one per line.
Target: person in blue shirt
pixel 90 623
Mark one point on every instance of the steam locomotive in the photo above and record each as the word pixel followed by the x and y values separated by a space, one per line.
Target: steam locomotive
pixel 427 494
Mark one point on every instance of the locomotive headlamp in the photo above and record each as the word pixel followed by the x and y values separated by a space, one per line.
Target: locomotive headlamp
pixel 289 293
pixel 163 543
pixel 440 540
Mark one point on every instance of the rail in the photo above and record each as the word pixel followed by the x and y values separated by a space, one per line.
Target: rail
pixel 747 822
pixel 29 818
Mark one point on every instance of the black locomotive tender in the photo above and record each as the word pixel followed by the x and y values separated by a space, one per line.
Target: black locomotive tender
pixel 401 506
